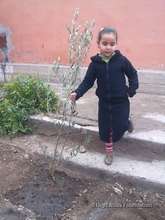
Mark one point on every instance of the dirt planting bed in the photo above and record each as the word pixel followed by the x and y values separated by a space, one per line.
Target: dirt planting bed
pixel 27 191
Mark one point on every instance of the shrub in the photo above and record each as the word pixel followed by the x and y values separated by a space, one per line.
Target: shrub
pixel 22 97
pixel 12 119
pixel 31 94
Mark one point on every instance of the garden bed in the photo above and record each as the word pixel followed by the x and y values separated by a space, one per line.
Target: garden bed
pixel 73 195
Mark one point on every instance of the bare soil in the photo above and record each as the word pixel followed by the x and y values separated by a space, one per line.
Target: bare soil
pixel 25 182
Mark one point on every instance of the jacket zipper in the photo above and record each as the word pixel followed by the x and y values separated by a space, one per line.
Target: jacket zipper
pixel 107 76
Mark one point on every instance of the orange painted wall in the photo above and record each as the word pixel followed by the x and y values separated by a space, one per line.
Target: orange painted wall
pixel 39 35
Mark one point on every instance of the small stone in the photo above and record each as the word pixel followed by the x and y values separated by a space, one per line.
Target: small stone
pixel 119 186
pixel 26 156
pixel 144 196
pixel 85 191
pixel 117 191
pixel 157 196
pixel 20 208
pixel 130 191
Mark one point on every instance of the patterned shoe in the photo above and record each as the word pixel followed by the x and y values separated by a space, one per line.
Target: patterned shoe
pixel 130 126
pixel 108 158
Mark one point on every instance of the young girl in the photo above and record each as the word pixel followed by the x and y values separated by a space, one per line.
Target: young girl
pixel 110 67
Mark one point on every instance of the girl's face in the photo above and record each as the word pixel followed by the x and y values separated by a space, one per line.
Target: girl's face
pixel 107 44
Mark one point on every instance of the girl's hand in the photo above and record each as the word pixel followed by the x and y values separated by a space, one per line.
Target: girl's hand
pixel 73 96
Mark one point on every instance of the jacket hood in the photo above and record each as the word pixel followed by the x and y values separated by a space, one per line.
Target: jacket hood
pixel 98 59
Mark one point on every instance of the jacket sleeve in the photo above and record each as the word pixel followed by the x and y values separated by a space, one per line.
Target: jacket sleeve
pixel 131 73
pixel 87 82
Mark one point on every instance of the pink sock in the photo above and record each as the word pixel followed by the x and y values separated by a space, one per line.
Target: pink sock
pixel 108 148
pixel 109 145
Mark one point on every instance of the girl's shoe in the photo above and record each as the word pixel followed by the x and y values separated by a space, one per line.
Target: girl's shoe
pixel 108 158
pixel 82 149
pixel 130 126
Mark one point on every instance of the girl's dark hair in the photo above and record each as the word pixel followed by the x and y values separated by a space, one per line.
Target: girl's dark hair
pixel 106 30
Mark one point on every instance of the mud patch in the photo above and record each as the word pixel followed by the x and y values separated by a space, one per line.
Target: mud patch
pixel 46 198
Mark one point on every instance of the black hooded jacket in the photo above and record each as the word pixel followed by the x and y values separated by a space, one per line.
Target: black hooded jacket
pixel 111 81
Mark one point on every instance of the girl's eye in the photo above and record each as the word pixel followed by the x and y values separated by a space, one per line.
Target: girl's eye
pixel 105 43
pixel 111 44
